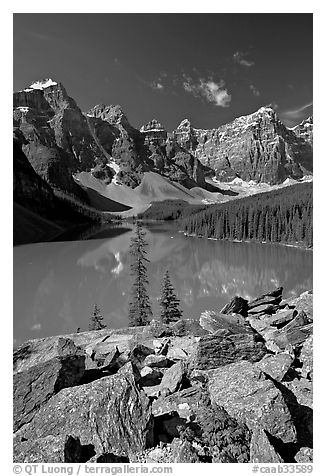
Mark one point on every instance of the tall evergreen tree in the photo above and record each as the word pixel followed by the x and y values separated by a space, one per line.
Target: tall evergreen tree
pixel 169 302
pixel 140 311
pixel 96 320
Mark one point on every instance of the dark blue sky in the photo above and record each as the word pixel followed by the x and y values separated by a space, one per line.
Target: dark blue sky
pixel 209 68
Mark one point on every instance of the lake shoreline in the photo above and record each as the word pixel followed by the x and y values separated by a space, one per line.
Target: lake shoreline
pixel 289 245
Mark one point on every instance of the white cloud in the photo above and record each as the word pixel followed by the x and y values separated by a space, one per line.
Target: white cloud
pixel 239 58
pixel 157 85
pixel 298 112
pixel 254 90
pixel 293 116
pixel 211 91
pixel 187 87
pixel 215 92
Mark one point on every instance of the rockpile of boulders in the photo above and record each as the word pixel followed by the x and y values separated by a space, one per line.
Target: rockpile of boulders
pixel 234 387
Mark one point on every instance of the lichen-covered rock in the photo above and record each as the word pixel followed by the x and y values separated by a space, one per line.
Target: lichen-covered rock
pixel 185 403
pixel 304 455
pixel 306 358
pixel 157 361
pixel 237 305
pixel 182 348
pixel 183 452
pixel 111 414
pixel 33 387
pixel 272 297
pixel 294 335
pixel 150 376
pixel 174 377
pixel 51 449
pixel 280 318
pixel 138 354
pixel 261 449
pixel 214 351
pixel 213 321
pixel 39 351
pixel 102 360
pixel 103 346
pixel 276 366
pixel 242 389
pixel 161 346
pixel 304 302
pixel 302 390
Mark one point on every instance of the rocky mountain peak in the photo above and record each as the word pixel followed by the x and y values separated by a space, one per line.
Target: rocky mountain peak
pixel 45 95
pixel 304 130
pixel 257 146
pixel 113 114
pixel 185 135
pixel 154 133
pixel 152 125
pixel 184 124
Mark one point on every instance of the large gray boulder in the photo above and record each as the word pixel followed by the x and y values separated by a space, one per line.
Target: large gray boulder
pixel 245 393
pixel 51 449
pixel 33 387
pixel 272 297
pixel 304 455
pixel 111 414
pixel 237 305
pixel 213 321
pixel 219 350
pixel 174 378
pixel 276 366
pixel 261 449
pixel 185 403
pixel 38 351
pixel 157 360
pixel 304 302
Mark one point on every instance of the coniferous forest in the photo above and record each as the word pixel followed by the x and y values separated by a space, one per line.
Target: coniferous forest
pixel 283 216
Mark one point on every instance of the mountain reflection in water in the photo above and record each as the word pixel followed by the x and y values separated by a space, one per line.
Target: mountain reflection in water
pixel 57 284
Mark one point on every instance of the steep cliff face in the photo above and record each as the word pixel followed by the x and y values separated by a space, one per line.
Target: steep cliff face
pixel 154 133
pixel 58 141
pixel 304 130
pixel 121 141
pixel 136 151
pixel 29 189
pixel 255 147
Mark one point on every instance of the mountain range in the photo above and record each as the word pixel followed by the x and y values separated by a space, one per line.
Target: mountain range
pixel 99 152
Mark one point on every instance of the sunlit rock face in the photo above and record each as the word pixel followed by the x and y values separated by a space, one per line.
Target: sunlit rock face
pixel 138 151
pixel 58 141
pixel 254 147
pixel 304 130
pixel 154 133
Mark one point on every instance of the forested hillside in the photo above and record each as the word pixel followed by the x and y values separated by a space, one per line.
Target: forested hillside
pixel 284 215
pixel 170 210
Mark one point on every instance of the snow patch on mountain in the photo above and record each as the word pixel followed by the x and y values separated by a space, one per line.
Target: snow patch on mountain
pixel 23 108
pixel 113 165
pixel 45 83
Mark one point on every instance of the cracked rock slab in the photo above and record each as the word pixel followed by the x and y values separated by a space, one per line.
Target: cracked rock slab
pixel 242 389
pixel 111 414
pixel 32 388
